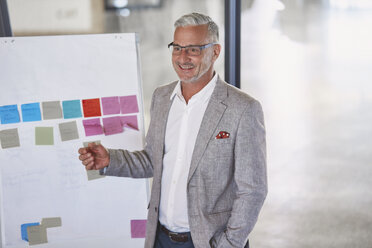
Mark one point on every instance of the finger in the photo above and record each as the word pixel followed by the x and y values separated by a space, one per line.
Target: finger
pixel 87 161
pixel 85 156
pixel 82 150
pixel 90 166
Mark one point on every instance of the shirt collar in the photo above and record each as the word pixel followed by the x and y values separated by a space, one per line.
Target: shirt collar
pixel 203 94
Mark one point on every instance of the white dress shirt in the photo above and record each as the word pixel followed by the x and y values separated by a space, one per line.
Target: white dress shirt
pixel 182 129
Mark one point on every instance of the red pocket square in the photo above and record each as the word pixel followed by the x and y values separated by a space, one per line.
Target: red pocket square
pixel 223 135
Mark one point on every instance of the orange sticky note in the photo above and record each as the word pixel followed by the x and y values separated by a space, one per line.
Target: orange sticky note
pixel 91 107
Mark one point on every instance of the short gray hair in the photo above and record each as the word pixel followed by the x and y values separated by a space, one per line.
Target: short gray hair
pixel 195 19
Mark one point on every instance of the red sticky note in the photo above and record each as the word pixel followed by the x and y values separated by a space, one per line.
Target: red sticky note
pixel 129 121
pixel 110 105
pixel 91 107
pixel 92 127
pixel 128 104
pixel 112 125
pixel 138 228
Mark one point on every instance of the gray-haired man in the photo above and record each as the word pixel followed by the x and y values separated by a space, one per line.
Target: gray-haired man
pixel 205 149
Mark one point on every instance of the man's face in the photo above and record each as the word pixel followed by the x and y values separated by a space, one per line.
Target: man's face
pixel 192 68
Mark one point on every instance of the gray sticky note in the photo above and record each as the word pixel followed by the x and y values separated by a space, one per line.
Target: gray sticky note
pixel 94 174
pixel 52 110
pixel 37 235
pixel 85 144
pixel 68 131
pixel 44 136
pixel 51 222
pixel 9 138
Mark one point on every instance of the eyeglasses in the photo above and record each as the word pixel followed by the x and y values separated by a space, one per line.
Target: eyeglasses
pixel 192 50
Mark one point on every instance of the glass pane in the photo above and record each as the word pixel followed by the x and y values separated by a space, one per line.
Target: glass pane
pixel 309 63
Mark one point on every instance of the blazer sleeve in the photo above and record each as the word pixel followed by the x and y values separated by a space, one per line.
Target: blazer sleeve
pixel 136 164
pixel 250 178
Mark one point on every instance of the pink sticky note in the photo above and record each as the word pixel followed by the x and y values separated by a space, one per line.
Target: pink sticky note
pixel 110 105
pixel 138 228
pixel 129 121
pixel 112 125
pixel 92 127
pixel 128 104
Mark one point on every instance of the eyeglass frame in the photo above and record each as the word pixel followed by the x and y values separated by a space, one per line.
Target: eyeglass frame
pixel 201 47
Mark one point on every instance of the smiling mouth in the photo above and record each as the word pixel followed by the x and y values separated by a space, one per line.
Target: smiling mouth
pixel 186 67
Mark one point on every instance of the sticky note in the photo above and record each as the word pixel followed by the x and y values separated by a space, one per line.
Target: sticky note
pixel 24 229
pixel 37 235
pixel 68 131
pixel 128 104
pixel 9 138
pixel 112 125
pixel 91 107
pixel 97 142
pixel 92 127
pixel 9 114
pixel 71 109
pixel 51 222
pixel 110 105
pixel 52 110
pixel 138 228
pixel 94 174
pixel 129 121
pixel 44 136
pixel 31 112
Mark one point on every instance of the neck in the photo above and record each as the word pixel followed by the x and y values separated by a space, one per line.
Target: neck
pixel 191 88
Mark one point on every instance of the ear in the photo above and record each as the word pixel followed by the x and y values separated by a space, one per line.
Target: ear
pixel 216 52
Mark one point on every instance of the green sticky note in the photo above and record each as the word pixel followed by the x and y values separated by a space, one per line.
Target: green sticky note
pixel 44 136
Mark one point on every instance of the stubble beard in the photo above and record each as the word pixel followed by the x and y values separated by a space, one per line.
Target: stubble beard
pixel 205 66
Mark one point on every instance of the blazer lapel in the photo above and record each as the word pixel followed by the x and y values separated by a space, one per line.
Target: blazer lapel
pixel 162 118
pixel 212 116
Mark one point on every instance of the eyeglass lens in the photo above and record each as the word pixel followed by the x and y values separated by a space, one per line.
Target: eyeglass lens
pixel 192 50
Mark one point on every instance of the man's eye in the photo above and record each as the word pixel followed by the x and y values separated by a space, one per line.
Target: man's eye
pixel 177 48
pixel 194 49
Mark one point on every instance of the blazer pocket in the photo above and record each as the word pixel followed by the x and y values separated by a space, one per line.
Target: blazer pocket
pixel 220 211
pixel 218 148
pixel 219 219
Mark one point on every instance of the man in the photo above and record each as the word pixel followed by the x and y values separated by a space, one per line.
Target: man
pixel 205 149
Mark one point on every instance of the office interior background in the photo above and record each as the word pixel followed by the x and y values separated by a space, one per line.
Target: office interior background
pixel 309 62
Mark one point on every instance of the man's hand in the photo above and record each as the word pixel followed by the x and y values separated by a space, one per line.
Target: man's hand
pixel 94 157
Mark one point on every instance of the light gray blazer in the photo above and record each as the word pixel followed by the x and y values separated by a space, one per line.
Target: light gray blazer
pixel 227 181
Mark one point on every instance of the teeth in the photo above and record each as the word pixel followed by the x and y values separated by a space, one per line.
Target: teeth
pixel 186 66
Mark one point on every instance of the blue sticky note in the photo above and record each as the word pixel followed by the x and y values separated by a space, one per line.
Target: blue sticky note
pixel 24 229
pixel 71 109
pixel 31 112
pixel 9 114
